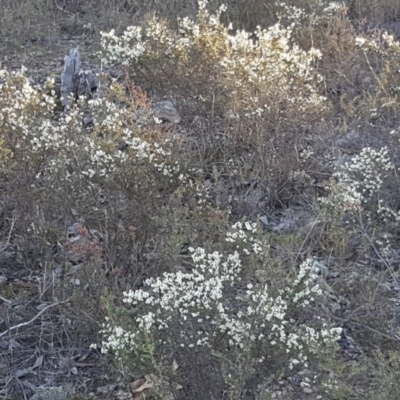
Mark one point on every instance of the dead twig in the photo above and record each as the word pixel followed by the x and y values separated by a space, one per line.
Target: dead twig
pixel 9 235
pixel 5 300
pixel 34 318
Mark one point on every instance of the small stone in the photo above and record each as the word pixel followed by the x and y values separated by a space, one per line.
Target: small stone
pixel 307 390
pixel 75 282
pixel 88 122
pixel 162 111
pixel 121 395
pixel 106 389
pixel 166 112
pixel 304 372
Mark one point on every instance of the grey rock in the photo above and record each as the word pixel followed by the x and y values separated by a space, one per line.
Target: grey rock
pixel 70 77
pixel 74 82
pixel 162 111
pixel 52 393
pixel 166 112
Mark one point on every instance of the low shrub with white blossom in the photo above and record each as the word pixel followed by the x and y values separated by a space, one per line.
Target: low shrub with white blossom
pixel 236 308
pixel 86 168
pixel 54 145
pixel 261 73
pixel 356 184
pixel 214 309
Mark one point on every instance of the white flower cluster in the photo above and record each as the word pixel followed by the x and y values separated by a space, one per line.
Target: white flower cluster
pixel 330 7
pixel 322 10
pixel 18 94
pixel 387 214
pixel 271 61
pixel 356 181
pixel 20 117
pixel 373 45
pixel 255 71
pixel 24 114
pixel 292 13
pixel 343 195
pixel 118 341
pixel 239 235
pixel 117 49
pixel 200 308
pixel 368 169
pixel 382 56
pixel 307 276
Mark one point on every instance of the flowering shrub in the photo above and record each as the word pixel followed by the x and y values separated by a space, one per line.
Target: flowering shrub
pixel 29 135
pixel 256 92
pixel 100 197
pixel 63 163
pixel 23 108
pixel 232 74
pixel 214 309
pixel 314 13
pixel 381 56
pixel 356 182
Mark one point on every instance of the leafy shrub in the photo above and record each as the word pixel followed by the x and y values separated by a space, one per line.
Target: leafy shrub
pixel 230 308
pixel 249 329
pixel 257 92
pixel 234 74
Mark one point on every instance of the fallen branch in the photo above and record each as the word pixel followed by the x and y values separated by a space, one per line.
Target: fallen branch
pixel 5 300
pixel 9 235
pixel 33 319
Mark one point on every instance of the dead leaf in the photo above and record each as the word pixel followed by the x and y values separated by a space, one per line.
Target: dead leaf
pixel 141 396
pixel 22 372
pixel 105 389
pixel 82 357
pixel 38 362
pixel 144 386
pixel 175 366
pixel 136 384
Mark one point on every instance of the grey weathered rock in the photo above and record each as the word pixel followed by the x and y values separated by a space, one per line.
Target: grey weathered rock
pixel 161 111
pixel 74 82
pixel 350 143
pixel 166 111
pixel 53 393
pixel 70 77
pixel 87 84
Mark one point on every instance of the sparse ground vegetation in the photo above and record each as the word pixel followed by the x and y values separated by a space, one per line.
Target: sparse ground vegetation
pixel 240 244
